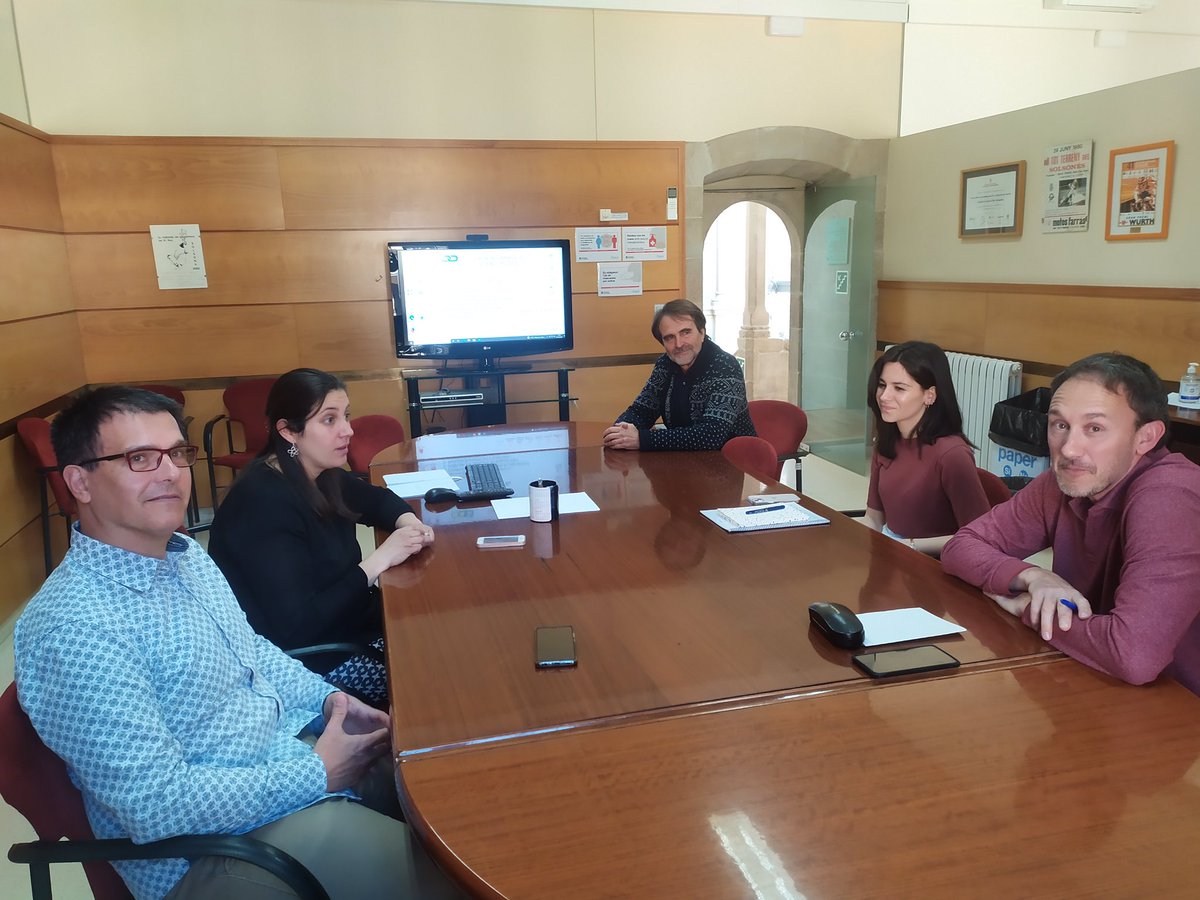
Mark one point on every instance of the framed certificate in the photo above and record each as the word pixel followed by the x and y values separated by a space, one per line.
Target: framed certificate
pixel 1139 192
pixel 992 201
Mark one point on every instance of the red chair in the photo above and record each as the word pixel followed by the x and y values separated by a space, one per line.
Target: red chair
pixel 753 455
pixel 371 435
pixel 246 404
pixel 35 783
pixel 783 425
pixel 35 435
pixel 996 490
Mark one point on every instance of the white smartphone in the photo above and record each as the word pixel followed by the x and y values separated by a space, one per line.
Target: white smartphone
pixel 758 499
pixel 500 540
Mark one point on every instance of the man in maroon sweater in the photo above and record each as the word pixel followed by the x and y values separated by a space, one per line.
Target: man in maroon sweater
pixel 1120 512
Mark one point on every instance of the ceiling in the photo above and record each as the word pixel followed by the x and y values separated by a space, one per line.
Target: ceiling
pixel 1180 17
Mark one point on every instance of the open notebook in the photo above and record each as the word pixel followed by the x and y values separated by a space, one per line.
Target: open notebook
pixel 762 518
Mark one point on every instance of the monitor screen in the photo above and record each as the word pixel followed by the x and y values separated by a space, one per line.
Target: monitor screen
pixel 480 299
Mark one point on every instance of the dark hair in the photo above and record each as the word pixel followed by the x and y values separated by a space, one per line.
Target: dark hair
pixel 75 432
pixel 1131 378
pixel 927 365
pixel 294 398
pixel 677 309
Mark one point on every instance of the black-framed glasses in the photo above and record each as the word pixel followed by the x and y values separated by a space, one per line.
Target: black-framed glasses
pixel 148 459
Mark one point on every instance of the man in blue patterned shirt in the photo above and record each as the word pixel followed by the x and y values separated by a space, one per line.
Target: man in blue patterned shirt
pixel 137 666
pixel 696 388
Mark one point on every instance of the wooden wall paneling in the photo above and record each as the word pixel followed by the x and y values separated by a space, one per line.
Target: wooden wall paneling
pixel 244 267
pixel 18 487
pixel 110 271
pixel 40 359
pixel 379 396
pixel 22 567
pixel 613 326
pixel 33 274
pixel 199 342
pixel 28 192
pixel 128 187
pixel 482 186
pixel 954 319
pixel 1059 329
pixel 605 393
pixel 345 336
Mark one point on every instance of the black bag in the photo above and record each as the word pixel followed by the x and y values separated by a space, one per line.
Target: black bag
pixel 1019 422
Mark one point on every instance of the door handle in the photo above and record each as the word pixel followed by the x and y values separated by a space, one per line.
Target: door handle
pixel 848 335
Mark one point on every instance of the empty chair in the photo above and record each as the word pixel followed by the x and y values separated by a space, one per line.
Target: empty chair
pixel 35 435
pixel 372 434
pixel 35 783
pixel 753 455
pixel 246 404
pixel 783 425
pixel 996 490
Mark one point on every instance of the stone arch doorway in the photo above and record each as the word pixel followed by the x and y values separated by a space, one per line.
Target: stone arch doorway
pixel 789 170
pixel 747 293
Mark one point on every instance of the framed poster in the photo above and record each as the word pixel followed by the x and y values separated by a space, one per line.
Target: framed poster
pixel 992 201
pixel 1139 192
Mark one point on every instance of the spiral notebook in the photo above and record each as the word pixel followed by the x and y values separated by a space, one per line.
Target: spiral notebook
pixel 763 518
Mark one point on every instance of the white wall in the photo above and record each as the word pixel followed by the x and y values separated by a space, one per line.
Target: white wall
pixel 12 87
pixel 383 68
pixel 956 74
pixel 921 235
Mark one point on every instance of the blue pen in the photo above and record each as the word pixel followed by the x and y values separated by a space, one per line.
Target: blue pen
pixel 759 509
pixel 1069 604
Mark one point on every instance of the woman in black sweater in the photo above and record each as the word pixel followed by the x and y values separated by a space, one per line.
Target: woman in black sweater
pixel 285 535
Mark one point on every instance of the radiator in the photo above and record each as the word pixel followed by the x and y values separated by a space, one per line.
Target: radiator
pixel 980 382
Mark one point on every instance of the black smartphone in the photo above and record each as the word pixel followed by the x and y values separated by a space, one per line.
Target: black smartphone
pixel 555 646
pixel 926 658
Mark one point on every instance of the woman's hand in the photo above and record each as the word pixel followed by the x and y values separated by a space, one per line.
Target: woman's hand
pixel 399 546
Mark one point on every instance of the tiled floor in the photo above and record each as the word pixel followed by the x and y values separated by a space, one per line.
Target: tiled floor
pixel 833 486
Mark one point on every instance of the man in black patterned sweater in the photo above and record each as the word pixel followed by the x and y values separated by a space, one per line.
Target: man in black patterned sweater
pixel 696 388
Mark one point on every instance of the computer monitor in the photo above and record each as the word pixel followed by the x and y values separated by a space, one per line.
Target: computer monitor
pixel 480 300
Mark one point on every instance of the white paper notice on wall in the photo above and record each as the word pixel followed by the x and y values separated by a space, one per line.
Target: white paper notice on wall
pixel 597 244
pixel 619 279
pixel 644 243
pixel 178 256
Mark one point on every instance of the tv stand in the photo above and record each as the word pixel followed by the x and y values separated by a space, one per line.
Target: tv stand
pixel 483 379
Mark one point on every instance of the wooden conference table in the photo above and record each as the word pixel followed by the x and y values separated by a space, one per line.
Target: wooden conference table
pixel 708 744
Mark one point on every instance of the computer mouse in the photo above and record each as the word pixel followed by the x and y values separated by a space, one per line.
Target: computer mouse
pixel 838 623
pixel 441 495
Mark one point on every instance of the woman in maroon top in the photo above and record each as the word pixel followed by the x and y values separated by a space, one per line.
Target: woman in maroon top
pixel 924 485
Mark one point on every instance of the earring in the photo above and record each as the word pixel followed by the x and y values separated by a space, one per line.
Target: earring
pixel 293 451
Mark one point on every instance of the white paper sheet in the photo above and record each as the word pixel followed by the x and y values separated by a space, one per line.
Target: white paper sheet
pixel 415 484
pixel 894 625
pixel 518 507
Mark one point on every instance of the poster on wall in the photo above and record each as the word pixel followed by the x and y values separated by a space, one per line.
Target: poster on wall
pixel 645 242
pixel 1067 182
pixel 597 244
pixel 178 257
pixel 1139 192
pixel 619 279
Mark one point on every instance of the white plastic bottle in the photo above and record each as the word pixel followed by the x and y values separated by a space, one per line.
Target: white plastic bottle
pixel 1189 387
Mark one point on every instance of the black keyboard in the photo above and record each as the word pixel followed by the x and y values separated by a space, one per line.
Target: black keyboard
pixel 484 482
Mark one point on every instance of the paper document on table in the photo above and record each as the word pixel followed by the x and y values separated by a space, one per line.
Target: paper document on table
pixel 415 484
pixel 761 518
pixel 518 507
pixel 894 625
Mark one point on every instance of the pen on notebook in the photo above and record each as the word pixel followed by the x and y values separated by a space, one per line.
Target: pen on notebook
pixel 1068 604
pixel 759 509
